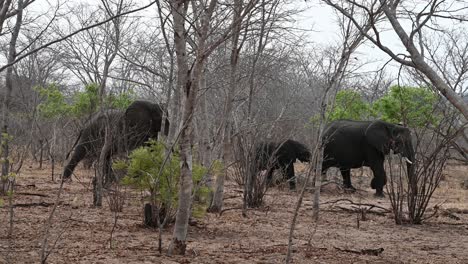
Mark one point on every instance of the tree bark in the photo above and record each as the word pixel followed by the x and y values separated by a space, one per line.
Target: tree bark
pixel 188 82
pixel 217 203
pixel 179 11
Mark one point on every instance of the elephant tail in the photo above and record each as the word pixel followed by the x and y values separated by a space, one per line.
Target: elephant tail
pixel 74 145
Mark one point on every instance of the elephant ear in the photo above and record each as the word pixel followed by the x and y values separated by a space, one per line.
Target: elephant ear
pixel 380 136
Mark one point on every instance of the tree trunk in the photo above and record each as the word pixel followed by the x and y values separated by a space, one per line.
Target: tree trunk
pixel 103 175
pixel 178 246
pixel 4 136
pixel 188 82
pixel 217 203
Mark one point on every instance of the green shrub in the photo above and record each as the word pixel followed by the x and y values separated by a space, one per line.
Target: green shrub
pixel 146 172
pixel 349 104
pixel 412 105
pixel 55 104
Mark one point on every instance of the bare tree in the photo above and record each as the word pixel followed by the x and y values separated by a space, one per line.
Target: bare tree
pixel 112 48
pixel 217 203
pixel 188 82
pixel 425 17
pixel 352 38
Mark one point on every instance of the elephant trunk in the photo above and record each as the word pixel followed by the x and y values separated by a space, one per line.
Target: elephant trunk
pixel 78 155
pixel 409 156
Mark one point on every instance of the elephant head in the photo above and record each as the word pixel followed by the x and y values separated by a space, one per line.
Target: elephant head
pixel 385 137
pixel 143 121
pixel 301 152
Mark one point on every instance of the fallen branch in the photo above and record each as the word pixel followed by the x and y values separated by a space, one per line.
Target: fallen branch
pixel 229 209
pixel 32 194
pixel 457 210
pixel 448 213
pixel 371 252
pixel 266 209
pixel 43 204
pixel 351 210
pixel 357 204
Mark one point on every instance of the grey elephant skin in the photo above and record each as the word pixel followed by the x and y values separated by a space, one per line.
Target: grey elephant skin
pixel 271 156
pixel 353 144
pixel 129 130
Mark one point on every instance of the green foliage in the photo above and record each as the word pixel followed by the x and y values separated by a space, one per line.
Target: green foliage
pixel 86 102
pixel 83 103
pixel 121 101
pixel 145 171
pixel 54 104
pixel 349 105
pixel 412 105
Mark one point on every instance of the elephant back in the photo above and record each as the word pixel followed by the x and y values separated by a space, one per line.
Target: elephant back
pixel 92 135
pixel 143 121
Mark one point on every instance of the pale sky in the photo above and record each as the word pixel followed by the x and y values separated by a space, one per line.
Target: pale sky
pixel 322 20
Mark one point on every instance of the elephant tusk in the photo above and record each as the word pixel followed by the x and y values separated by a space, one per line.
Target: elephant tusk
pixel 407 160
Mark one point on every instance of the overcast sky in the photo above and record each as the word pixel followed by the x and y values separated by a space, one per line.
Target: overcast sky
pixel 322 21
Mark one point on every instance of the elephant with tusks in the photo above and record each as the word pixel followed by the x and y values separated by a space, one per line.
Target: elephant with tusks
pixel 352 144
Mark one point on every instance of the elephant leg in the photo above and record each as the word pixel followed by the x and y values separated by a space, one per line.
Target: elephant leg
pixel 379 180
pixel 78 154
pixel 346 174
pixel 290 176
pixel 109 176
pixel 325 168
pixel 269 176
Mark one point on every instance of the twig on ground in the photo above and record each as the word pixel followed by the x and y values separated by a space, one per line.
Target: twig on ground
pixel 371 206
pixel 371 252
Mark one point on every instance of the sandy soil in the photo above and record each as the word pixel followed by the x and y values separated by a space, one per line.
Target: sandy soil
pixel 81 233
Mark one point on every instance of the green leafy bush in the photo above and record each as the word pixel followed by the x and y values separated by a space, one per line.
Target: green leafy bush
pixel 55 104
pixel 349 104
pixel 147 172
pixel 412 105
pixel 86 102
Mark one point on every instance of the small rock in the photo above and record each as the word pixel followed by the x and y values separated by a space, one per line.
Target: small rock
pixel 74 203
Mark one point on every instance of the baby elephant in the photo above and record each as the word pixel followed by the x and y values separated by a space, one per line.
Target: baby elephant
pixel 280 155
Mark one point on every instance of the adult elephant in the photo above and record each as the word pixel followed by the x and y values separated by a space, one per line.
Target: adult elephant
pixel 353 144
pixel 271 156
pixel 129 130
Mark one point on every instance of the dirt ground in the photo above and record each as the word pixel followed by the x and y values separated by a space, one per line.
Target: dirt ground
pixel 81 233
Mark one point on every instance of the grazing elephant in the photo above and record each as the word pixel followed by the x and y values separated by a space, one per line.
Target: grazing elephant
pixel 271 156
pixel 353 144
pixel 129 130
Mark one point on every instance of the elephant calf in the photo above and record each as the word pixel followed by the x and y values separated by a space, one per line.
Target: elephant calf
pixel 129 130
pixel 271 156
pixel 353 144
